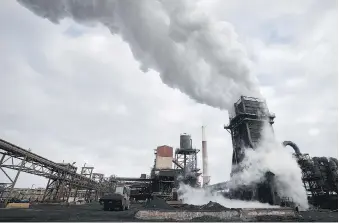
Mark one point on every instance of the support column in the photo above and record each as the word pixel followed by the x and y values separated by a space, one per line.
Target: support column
pixel 13 182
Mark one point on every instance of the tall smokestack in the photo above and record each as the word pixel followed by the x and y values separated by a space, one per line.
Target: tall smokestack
pixel 206 177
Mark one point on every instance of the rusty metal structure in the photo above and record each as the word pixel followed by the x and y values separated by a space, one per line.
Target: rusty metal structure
pixel 246 123
pixel 62 177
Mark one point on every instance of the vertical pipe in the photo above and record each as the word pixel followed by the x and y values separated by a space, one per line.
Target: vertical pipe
pixel 204 158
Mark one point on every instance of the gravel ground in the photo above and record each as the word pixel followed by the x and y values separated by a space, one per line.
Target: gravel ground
pixel 86 212
pixel 158 203
pixel 94 212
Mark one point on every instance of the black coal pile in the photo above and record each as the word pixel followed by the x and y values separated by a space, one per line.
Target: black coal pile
pixel 158 203
pixel 214 206
pixel 210 206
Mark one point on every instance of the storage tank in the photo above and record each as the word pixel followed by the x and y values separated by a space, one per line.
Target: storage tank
pixel 185 141
pixel 164 157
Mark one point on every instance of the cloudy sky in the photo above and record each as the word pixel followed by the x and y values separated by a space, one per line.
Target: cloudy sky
pixel 76 93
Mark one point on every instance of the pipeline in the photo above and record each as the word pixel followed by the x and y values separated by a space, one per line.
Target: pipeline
pixel 293 145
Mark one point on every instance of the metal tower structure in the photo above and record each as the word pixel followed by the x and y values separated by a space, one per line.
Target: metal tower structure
pixel 86 172
pixel 245 126
pixel 58 189
pixel 206 177
pixel 98 177
pixel 186 160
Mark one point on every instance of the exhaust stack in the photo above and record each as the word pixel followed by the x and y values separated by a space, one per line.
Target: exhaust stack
pixel 206 177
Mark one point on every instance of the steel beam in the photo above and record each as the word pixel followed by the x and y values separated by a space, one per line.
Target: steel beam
pixel 59 175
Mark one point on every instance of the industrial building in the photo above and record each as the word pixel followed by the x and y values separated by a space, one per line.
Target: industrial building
pixel 320 178
pixel 246 123
pixel 319 174
pixel 172 166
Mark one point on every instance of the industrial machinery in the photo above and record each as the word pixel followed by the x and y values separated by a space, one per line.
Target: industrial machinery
pixel 246 123
pixel 186 157
pixel 165 177
pixel 320 178
pixel 62 177
pixel 319 174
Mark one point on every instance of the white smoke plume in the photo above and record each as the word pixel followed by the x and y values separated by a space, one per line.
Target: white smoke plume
pixel 269 156
pixel 200 57
pixel 272 156
pixel 200 196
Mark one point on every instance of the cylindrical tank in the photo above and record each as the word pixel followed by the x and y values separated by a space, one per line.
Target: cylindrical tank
pixel 164 157
pixel 185 141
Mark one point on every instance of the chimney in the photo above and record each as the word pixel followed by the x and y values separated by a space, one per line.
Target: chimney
pixel 206 177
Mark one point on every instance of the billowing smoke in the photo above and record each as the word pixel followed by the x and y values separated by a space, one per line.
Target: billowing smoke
pixel 199 196
pixel 272 156
pixel 269 156
pixel 200 57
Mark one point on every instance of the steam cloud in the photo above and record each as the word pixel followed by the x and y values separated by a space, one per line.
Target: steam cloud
pixel 193 53
pixel 272 156
pixel 198 196
pixel 269 156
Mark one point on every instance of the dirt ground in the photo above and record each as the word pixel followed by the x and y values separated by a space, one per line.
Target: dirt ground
pixel 94 212
pixel 85 212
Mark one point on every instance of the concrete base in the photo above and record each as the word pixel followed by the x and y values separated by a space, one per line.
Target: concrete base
pixel 252 213
pixel 229 215
pixel 18 205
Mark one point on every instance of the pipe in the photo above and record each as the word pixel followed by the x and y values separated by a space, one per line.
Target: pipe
pixel 293 145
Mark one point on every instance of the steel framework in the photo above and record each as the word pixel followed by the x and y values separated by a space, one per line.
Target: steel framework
pixel 99 178
pixel 86 172
pixel 186 161
pixel 62 177
pixel 320 178
pixel 246 123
